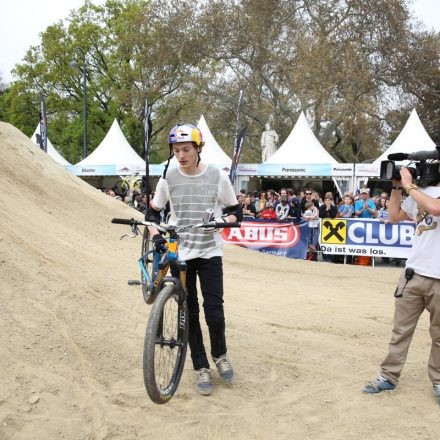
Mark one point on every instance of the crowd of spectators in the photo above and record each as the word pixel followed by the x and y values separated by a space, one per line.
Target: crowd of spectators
pixel 290 205
pixel 309 205
pixel 137 199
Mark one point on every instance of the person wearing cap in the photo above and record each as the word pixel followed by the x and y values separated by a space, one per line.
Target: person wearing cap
pixel 269 213
pixel 365 207
pixel 191 189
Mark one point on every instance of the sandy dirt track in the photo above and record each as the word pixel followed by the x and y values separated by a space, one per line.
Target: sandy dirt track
pixel 304 337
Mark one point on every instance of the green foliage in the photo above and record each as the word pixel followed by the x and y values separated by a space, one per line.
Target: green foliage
pixel 355 68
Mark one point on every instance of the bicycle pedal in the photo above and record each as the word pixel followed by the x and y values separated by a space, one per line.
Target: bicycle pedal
pixel 134 283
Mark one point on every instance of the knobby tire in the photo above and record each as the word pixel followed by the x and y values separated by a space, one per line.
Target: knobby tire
pixel 165 344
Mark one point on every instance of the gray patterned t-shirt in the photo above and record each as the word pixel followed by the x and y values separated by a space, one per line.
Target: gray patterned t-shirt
pixel 189 197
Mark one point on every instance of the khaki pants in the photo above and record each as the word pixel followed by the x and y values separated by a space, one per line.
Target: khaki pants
pixel 419 293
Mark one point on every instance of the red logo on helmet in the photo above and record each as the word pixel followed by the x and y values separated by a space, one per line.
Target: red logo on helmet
pixel 262 234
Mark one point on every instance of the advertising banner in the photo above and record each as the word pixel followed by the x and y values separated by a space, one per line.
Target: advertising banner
pixel 342 169
pixel 367 170
pixel 269 169
pixel 284 239
pixel 366 237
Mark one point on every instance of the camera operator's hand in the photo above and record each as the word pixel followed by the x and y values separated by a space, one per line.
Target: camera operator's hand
pixel 406 177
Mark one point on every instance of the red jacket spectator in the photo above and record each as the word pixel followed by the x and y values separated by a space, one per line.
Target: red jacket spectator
pixel 269 213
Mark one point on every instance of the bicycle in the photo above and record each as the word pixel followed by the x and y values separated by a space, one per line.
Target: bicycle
pixel 166 336
pixel 128 184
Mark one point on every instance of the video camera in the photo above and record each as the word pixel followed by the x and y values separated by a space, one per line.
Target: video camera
pixel 424 173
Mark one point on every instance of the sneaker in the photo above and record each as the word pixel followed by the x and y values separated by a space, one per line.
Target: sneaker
pixel 436 387
pixel 377 385
pixel 203 381
pixel 224 368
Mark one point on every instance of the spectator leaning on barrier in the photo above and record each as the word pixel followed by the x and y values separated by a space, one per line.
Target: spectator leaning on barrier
pixel 261 206
pixel 283 209
pixel 295 208
pixel 346 209
pixel 290 195
pixel 311 214
pixel 328 209
pixel 283 193
pixel 143 205
pixel 419 284
pixel 365 207
pixel 248 208
pixel 383 211
pixel 308 198
pixel 110 192
pixel 271 197
pixel 269 213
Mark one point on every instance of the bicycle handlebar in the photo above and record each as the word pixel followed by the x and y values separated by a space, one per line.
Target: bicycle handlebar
pixel 123 221
pixel 164 227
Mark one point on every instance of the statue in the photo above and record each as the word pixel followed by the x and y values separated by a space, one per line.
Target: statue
pixel 269 140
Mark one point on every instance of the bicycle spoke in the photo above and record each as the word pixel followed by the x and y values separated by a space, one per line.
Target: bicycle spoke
pixel 167 344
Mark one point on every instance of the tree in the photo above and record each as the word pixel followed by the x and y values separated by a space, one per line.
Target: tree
pixel 354 67
pixel 339 61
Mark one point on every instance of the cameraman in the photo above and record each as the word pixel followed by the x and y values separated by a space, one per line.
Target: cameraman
pixel 419 284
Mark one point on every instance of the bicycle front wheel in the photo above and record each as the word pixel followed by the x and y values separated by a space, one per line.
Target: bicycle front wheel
pixel 165 344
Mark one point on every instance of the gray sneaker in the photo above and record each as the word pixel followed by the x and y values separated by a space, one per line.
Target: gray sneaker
pixel 377 385
pixel 436 387
pixel 224 368
pixel 203 381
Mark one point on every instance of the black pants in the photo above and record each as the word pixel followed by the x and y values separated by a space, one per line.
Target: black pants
pixel 210 273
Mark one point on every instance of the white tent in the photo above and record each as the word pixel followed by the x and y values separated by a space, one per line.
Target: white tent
pixel 51 151
pixel 412 138
pixel 301 147
pixel 211 154
pixel 114 150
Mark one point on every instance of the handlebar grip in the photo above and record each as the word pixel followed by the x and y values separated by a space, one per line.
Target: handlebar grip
pixel 123 221
pixel 228 225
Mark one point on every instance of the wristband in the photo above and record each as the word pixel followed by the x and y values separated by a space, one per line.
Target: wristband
pixel 410 187
pixel 399 188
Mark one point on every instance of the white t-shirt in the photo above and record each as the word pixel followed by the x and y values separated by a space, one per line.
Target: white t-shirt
pixel 189 197
pixel 425 253
pixel 312 213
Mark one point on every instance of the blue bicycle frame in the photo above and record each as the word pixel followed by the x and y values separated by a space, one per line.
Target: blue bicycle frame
pixel 157 257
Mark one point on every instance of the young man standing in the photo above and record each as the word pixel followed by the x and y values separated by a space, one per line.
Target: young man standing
pixel 419 284
pixel 191 189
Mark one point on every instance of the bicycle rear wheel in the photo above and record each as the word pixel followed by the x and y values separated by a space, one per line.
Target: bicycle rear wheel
pixel 148 256
pixel 165 344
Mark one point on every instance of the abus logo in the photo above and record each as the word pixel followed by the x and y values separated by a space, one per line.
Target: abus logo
pixel 262 234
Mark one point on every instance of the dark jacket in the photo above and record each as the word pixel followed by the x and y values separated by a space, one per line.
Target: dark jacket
pixel 331 213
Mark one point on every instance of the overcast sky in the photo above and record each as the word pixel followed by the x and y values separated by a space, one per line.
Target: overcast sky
pixel 21 21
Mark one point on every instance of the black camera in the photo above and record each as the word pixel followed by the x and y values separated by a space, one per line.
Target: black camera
pixel 424 173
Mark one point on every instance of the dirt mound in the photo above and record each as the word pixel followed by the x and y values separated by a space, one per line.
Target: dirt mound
pixel 304 337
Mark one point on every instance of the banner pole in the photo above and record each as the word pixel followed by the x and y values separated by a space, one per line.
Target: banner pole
pixel 147 132
pixel 43 123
